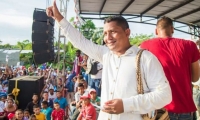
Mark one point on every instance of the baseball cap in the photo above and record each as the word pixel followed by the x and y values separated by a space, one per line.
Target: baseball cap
pixel 92 90
pixel 85 96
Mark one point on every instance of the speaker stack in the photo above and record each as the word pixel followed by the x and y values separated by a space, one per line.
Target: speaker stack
pixel 42 37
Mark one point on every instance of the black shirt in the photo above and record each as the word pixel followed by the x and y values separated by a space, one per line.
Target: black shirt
pixel 30 107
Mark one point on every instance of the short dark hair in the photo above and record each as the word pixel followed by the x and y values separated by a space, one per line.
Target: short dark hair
pixel 80 85
pixel 45 92
pixel 78 51
pixel 45 102
pixel 164 22
pixel 10 95
pixel 35 94
pixel 121 21
pixel 26 110
pixel 36 106
pixel 56 103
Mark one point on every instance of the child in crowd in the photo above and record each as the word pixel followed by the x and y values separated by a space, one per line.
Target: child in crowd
pixel 38 114
pixel 32 117
pixel 88 111
pixel 46 110
pixel 58 113
pixel 18 115
pixel 26 114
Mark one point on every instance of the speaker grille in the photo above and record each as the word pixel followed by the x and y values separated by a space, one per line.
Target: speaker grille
pixel 42 37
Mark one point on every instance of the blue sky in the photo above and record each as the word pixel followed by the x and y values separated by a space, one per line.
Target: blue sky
pixel 16 17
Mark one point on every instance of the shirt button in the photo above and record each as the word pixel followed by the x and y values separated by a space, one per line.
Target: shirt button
pixel 111 93
pixel 114 80
pixel 116 67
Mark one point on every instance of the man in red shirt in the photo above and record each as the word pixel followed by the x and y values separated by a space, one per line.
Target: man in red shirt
pixel 88 111
pixel 179 59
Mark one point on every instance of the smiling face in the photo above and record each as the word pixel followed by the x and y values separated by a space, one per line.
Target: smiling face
pixel 116 38
pixel 19 115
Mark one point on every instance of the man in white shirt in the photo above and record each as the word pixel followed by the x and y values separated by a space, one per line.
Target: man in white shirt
pixel 119 96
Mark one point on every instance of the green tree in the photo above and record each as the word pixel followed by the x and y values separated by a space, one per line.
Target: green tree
pixel 97 37
pixel 7 46
pixel 137 39
pixel 24 45
pixel 87 29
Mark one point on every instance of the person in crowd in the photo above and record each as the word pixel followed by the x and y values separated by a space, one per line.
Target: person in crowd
pixel 96 78
pixel 2 107
pixel 77 80
pixel 26 114
pixel 179 59
pixel 83 64
pixel 3 99
pixel 88 111
pixel 32 117
pixel 69 88
pixel 52 94
pixel 32 103
pixel 58 113
pixel 10 96
pixel 10 108
pixel 39 115
pixel 45 97
pixel 19 115
pixel 59 86
pixel 62 102
pixel 3 78
pixel 77 101
pixel 93 97
pixel 119 96
pixel 46 110
pixel 1 74
pixel 95 100
pixel 10 74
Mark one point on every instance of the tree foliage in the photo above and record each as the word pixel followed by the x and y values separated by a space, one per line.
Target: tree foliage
pixel 137 39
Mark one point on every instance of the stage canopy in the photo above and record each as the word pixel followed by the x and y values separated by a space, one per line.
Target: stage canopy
pixel 186 12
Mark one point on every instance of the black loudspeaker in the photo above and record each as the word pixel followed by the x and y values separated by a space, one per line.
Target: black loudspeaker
pixel 28 85
pixel 42 37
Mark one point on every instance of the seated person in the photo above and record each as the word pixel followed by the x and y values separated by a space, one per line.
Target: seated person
pixel 95 100
pixel 77 101
pixel 88 111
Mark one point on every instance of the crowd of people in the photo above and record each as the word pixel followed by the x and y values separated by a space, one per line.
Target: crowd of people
pixel 63 95
pixel 108 89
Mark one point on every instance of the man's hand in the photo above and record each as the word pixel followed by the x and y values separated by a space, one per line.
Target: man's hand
pixel 54 12
pixel 114 106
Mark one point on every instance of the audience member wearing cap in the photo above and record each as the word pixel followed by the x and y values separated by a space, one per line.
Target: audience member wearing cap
pixel 88 111
pixel 94 98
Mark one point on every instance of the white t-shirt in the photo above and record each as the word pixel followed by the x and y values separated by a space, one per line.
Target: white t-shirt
pixel 2 106
pixel 52 97
pixel 75 86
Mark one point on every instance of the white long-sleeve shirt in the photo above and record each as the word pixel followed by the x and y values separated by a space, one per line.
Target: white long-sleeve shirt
pixel 119 77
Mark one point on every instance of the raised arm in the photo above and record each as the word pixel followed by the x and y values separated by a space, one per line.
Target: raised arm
pixel 75 37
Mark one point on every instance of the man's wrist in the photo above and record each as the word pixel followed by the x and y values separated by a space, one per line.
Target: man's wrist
pixel 59 18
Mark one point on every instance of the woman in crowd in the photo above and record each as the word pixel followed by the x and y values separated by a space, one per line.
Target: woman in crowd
pixel 10 108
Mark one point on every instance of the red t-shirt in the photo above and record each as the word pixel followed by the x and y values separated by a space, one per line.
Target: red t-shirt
pixel 58 114
pixel 88 112
pixel 176 56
